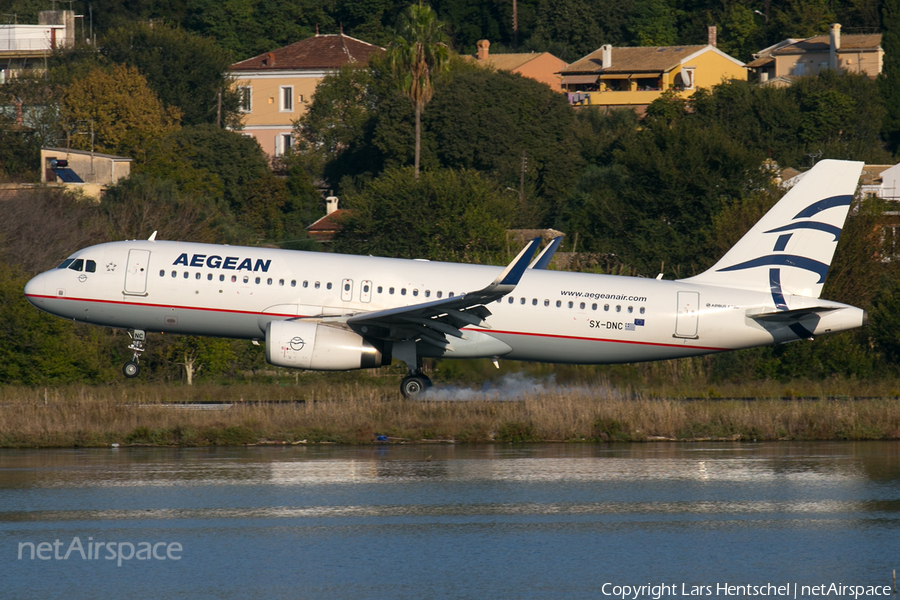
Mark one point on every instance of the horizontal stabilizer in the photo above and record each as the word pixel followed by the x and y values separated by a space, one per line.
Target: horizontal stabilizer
pixel 786 316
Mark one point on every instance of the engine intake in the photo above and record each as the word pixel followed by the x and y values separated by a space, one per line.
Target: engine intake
pixel 305 345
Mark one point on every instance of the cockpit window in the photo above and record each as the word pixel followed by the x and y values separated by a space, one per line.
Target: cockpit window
pixel 78 265
pixel 91 266
pixel 66 263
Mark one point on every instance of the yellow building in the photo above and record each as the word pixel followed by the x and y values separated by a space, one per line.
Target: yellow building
pixel 276 88
pixel 634 77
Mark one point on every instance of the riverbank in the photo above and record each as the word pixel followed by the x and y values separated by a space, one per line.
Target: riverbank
pixel 352 413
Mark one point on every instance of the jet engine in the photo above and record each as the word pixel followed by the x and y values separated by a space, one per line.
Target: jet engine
pixel 306 345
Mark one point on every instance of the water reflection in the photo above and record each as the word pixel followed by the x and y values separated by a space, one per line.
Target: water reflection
pixel 449 521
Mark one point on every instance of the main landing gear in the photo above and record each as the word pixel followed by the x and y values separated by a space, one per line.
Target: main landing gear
pixel 132 368
pixel 414 385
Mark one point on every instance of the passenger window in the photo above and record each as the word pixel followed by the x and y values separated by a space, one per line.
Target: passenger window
pixel 534 301
pixel 581 306
pixel 78 265
pixel 318 285
pixel 511 299
pixel 428 293
pixel 390 290
pixel 269 281
pixel 403 292
pixel 546 303
pixel 328 286
pixel 440 294
pixel 346 287
pixel 294 283
pixel 365 289
pixel 258 280
pixel 234 279
pixel 209 277
pixel 380 289
pixel 618 308
pixel 522 301
pixel 174 274
pixel 450 295
pixel 186 274
pixel 593 307
pixel 642 310
pixel 415 292
pixel 558 303
pixel 162 273
pixel 571 304
pixel 65 264
pixel 91 267
pixel 281 282
pixel 221 278
pixel 606 307
pixel 246 279
pixel 197 276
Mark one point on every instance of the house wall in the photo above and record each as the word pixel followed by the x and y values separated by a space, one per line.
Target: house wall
pixel 544 68
pixel 267 119
pixel 106 171
pixel 813 62
pixel 713 68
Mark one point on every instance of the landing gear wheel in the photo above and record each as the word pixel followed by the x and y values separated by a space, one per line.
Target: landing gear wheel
pixel 131 369
pixel 413 386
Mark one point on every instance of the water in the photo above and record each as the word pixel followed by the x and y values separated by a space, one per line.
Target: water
pixel 533 521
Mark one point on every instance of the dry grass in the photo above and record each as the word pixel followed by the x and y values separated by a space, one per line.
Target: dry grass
pixel 355 413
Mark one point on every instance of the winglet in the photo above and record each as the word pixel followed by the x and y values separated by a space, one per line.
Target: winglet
pixel 544 258
pixel 514 271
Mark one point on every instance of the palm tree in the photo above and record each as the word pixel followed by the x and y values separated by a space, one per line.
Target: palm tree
pixel 418 53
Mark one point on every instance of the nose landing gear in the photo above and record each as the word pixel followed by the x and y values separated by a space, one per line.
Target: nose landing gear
pixel 132 368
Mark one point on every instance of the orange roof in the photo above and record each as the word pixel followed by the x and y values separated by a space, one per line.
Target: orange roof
pixel 318 52
pixel 822 43
pixel 646 59
pixel 329 223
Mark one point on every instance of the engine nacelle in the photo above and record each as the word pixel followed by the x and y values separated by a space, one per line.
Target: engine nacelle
pixel 305 345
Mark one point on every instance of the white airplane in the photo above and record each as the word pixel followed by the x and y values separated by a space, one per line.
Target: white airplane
pixel 336 312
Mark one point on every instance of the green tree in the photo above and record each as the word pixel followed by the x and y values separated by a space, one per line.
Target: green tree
pixel 653 23
pixel 118 110
pixel 570 29
pixel 417 55
pixel 444 214
pixel 889 79
pixel 185 70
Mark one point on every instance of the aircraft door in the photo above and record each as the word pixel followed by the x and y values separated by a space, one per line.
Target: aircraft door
pixel 688 316
pixel 136 272
pixel 347 290
pixel 365 293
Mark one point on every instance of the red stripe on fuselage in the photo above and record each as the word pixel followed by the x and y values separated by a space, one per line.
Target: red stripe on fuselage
pixel 487 331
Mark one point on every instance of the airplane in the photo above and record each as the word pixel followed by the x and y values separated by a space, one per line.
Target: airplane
pixel 329 312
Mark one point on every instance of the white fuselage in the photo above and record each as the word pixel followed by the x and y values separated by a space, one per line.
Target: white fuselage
pixel 551 316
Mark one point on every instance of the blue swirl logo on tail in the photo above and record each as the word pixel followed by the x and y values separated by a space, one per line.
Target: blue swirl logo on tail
pixel 792 260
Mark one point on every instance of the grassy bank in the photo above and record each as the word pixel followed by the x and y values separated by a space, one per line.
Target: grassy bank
pixel 356 414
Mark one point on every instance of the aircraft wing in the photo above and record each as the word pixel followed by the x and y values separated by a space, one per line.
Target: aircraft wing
pixel 431 322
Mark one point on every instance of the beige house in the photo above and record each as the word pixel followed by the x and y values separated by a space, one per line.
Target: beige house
pixel 795 58
pixel 540 66
pixel 633 77
pixel 276 88
pixel 90 172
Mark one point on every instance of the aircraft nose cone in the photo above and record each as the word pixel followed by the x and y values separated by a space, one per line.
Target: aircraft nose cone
pixel 34 289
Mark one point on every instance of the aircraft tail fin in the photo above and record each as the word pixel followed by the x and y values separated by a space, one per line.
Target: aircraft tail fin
pixel 789 250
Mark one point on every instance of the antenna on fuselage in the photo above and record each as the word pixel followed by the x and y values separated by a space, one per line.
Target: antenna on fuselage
pixel 152 237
